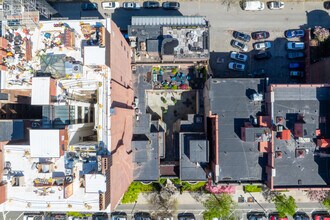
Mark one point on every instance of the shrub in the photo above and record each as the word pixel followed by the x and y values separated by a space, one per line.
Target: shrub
pixel 135 189
pixel 193 187
pixel 78 214
pixel 252 188
pixel 174 87
pixel 163 100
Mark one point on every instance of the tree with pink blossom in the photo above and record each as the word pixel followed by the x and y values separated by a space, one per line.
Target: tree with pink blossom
pixel 322 34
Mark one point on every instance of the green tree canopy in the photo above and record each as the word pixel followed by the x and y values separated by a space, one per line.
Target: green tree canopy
pixel 326 202
pixel 285 205
pixel 219 206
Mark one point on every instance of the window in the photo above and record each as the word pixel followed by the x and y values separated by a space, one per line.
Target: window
pixel 121 43
pixel 72 114
pixel 86 110
pixel 79 114
pixel 91 114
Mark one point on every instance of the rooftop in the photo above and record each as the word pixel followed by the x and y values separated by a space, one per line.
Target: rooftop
pixel 40 183
pixel 301 109
pixel 169 38
pixel 56 48
pixel 194 156
pixel 230 100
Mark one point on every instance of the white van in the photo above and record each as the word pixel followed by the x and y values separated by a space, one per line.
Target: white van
pixel 253 6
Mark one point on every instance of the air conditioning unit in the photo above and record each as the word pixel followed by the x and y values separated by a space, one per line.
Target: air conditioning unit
pixel 77 68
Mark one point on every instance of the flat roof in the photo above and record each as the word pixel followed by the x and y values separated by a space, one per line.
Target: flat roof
pixel 229 99
pixel 11 130
pixel 45 143
pixel 25 168
pixel 194 155
pixel 306 105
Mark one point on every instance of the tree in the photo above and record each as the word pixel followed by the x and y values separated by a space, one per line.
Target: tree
pixel 322 34
pixel 164 202
pixel 326 202
pixel 285 205
pixel 219 206
pixel 317 195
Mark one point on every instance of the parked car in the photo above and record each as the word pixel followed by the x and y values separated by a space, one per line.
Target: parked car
pixel 256 216
pixel 253 6
pixel 321 216
pixel 300 216
pixel 186 216
pixel 239 45
pixel 171 5
pixel 236 66
pixel 259 73
pixel 273 5
pixel 263 55
pixel 294 33
pixel 110 5
pixel 238 56
pixel 33 216
pixel 142 216
pixel 275 216
pixel 89 6
pixel 131 5
pixel 296 65
pixel 326 4
pixel 151 4
pixel 242 36
pixel 295 55
pixel 262 45
pixel 259 35
pixel 118 216
pixel 295 45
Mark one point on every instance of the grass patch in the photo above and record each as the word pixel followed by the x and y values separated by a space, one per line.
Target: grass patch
pixel 252 188
pixel 135 189
pixel 79 214
pixel 193 187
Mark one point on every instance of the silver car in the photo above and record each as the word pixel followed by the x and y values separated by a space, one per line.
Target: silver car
pixel 236 66
pixel 131 5
pixel 238 56
pixel 262 45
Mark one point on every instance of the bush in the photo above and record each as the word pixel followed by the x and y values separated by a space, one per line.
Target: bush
pixel 163 99
pixel 78 214
pixel 252 188
pixel 322 34
pixel 193 187
pixel 135 189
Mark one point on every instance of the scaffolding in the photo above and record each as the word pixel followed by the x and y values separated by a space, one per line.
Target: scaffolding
pixel 26 12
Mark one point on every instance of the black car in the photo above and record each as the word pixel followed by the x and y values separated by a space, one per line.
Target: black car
pixel 259 35
pixel 151 4
pixel 263 55
pixel 142 216
pixel 242 36
pixel 186 216
pixel 326 5
pixel 295 55
pixel 89 6
pixel 256 216
pixel 171 5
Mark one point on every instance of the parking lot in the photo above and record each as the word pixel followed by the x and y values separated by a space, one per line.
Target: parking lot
pixel 276 68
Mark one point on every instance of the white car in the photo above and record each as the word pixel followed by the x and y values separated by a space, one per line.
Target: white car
pixel 262 45
pixel 110 5
pixel 236 66
pixel 273 5
pixel 295 45
pixel 238 56
pixel 131 5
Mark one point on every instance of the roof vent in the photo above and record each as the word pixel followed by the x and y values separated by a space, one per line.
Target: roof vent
pixel 257 97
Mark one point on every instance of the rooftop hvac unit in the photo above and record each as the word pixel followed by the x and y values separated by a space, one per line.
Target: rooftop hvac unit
pixel 257 97
pixel 77 68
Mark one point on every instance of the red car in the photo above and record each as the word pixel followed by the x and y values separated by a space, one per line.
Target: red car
pixel 321 217
pixel 259 35
pixel 276 217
